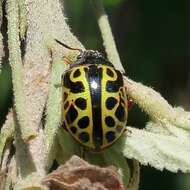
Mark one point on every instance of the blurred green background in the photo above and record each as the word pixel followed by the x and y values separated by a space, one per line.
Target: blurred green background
pixel 153 42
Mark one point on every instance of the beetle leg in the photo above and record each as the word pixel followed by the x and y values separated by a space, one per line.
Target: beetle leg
pixel 82 152
pixel 127 131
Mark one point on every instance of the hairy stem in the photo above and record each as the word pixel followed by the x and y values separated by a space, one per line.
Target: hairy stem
pixel 53 121
pixel 30 172
pixel 6 133
pixel 155 105
pixel 1 36
pixel 17 69
pixel 135 179
pixel 22 18
pixel 107 35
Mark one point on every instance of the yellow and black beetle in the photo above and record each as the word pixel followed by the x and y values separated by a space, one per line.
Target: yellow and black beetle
pixel 94 100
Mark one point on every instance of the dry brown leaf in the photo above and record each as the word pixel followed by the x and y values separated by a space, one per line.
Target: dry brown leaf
pixel 76 174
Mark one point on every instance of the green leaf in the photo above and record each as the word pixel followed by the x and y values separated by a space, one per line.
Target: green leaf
pixel 158 148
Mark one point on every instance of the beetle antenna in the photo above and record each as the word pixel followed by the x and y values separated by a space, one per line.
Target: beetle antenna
pixel 68 47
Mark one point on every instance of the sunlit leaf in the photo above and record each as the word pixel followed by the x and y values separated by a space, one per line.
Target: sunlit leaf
pixel 158 150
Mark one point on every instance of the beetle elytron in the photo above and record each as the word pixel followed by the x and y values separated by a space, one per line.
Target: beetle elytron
pixel 94 100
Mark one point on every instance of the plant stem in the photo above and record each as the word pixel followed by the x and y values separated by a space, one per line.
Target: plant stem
pixel 54 105
pixel 6 134
pixel 22 18
pixel 155 105
pixel 17 69
pixel 1 36
pixel 107 35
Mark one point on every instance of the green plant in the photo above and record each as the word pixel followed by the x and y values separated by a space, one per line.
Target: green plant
pixel 164 143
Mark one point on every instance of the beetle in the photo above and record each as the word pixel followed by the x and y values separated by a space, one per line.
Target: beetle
pixel 94 100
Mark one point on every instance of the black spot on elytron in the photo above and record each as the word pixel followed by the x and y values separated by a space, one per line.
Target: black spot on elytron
pixel 83 122
pixel 113 86
pixel 119 128
pixel 84 137
pixel 71 115
pixel 109 121
pixel 73 129
pixel 109 72
pixel 110 136
pixel 111 102
pixel 66 105
pixel 120 113
pixel 77 73
pixel 81 103
pixel 65 95
pixel 75 87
